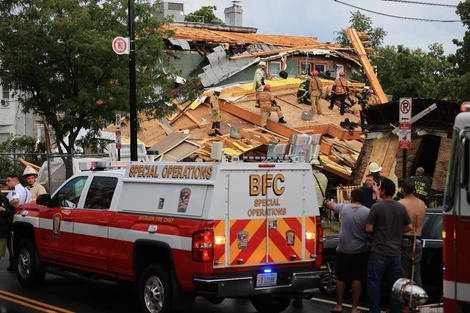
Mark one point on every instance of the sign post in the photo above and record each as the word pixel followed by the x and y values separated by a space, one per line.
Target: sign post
pixel 404 132
pixel 118 134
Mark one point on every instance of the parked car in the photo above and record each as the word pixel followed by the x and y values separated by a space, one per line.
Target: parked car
pixel 431 261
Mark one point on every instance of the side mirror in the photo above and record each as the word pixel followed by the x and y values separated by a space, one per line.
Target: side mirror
pixel 43 199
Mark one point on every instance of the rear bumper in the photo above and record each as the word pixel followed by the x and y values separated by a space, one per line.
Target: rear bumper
pixel 244 284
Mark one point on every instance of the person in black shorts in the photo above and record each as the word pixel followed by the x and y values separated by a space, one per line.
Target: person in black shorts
pixel 352 251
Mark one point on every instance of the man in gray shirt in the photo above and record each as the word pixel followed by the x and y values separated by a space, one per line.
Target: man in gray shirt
pixel 351 256
pixel 387 221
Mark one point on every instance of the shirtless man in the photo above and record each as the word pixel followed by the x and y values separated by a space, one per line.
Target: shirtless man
pixel 416 209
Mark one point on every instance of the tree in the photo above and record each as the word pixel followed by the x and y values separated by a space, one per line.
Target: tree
pixel 362 23
pixel 204 15
pixel 58 54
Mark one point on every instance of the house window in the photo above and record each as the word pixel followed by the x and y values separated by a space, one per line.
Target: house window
pixel 6 92
pixel 306 68
pixel 320 68
pixel 274 68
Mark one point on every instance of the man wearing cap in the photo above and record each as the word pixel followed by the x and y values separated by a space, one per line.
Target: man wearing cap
pixel 30 175
pixel 17 195
pixel 258 80
pixel 314 90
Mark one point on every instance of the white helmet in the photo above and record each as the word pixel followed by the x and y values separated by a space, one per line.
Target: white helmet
pixel 262 63
pixel 374 167
pixel 29 171
pixel 218 89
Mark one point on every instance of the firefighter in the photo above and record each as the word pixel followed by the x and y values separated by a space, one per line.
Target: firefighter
pixel 372 99
pixel 314 89
pixel 30 175
pixel 258 80
pixel 340 90
pixel 215 113
pixel 267 105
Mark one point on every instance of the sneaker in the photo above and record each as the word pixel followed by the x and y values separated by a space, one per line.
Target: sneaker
pixel 218 133
pixel 212 134
pixel 330 107
pixel 282 121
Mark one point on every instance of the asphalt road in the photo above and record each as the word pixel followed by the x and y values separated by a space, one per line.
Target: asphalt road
pixel 60 295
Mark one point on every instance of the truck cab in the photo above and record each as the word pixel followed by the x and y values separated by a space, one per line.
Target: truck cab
pixel 456 218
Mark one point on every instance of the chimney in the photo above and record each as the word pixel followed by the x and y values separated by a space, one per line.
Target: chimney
pixel 234 14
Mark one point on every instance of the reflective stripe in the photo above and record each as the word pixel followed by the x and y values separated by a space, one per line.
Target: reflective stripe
pixel 463 291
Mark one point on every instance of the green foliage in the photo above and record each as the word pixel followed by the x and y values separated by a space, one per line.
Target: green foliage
pixel 19 146
pixel 204 15
pixel 362 23
pixel 59 54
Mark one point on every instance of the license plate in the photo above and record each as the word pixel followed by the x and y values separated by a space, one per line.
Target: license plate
pixel 265 280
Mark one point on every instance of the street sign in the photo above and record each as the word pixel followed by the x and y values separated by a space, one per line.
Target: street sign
pixel 404 139
pixel 117 125
pixel 121 45
pixel 405 110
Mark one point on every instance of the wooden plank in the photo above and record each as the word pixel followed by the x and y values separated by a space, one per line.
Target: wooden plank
pixel 256 119
pixel 367 67
pixel 384 152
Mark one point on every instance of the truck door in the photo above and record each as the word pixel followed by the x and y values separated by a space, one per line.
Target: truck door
pixel 56 224
pixel 92 222
pixel 265 217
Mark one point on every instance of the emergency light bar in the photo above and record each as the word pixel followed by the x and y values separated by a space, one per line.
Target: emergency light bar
pixel 101 165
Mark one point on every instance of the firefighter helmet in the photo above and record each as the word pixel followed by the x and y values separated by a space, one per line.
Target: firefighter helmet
pixel 29 171
pixel 267 87
pixel 374 167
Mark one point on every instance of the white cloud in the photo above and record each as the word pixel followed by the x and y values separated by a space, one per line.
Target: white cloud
pixel 322 18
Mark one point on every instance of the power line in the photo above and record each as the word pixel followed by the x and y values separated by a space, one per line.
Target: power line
pixel 425 3
pixel 401 17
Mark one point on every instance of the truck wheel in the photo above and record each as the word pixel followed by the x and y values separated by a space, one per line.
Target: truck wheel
pixel 328 280
pixel 270 303
pixel 155 290
pixel 28 270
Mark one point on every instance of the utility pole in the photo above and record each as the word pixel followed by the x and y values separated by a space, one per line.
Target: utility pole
pixel 132 84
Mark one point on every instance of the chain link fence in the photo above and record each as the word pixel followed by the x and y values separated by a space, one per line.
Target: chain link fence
pixel 51 168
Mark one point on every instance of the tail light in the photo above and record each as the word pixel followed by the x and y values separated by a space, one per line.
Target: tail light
pixel 319 241
pixel 203 246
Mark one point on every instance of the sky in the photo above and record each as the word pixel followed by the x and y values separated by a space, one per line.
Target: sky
pixel 322 18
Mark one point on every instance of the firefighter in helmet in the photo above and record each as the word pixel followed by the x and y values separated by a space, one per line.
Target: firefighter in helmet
pixel 30 175
pixel 267 105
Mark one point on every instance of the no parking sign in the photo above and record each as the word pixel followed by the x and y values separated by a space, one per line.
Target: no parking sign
pixel 404 133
